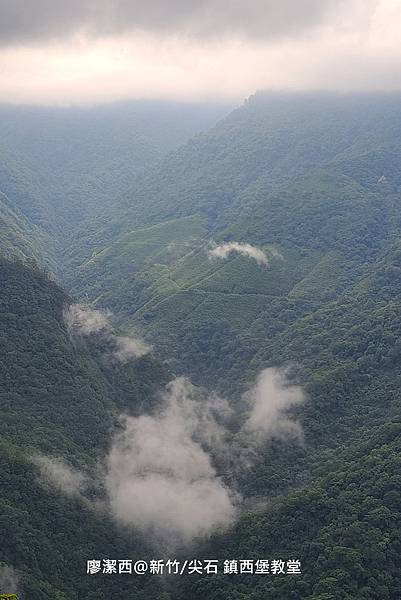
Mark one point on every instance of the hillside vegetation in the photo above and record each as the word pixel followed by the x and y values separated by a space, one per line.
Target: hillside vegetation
pixel 59 400
pixel 271 240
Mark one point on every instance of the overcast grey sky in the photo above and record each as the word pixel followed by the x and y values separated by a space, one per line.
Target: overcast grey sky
pixel 84 51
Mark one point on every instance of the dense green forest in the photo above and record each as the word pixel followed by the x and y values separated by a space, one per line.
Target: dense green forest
pixel 57 400
pixel 313 177
pixel 125 212
pixel 60 166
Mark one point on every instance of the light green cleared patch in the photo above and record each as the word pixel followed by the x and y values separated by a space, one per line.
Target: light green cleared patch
pixel 140 251
pixel 194 267
pixel 194 307
pixel 174 308
pixel 164 241
pixel 243 275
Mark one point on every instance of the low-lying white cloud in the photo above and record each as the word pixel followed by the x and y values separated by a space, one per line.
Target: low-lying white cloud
pixel 270 400
pixel 9 580
pixel 128 348
pixel 161 472
pixel 86 321
pixel 224 250
pixel 57 473
pixel 159 475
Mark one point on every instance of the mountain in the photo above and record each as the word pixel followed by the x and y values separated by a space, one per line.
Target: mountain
pixel 59 402
pixel 19 238
pixel 270 140
pixel 344 529
pixel 60 166
pixel 312 180
pixel 314 183
pixel 271 240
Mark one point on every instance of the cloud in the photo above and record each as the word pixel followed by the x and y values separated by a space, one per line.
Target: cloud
pixel 8 580
pixel 57 473
pixel 98 51
pixel 160 477
pixel 224 250
pixel 127 348
pixel 270 399
pixel 24 22
pixel 268 416
pixel 85 321
pixel 161 472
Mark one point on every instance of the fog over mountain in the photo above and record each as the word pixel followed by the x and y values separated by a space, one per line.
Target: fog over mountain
pixel 200 300
pixel 95 51
pixel 220 373
pixel 22 23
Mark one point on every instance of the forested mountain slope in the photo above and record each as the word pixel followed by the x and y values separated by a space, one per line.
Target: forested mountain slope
pixel 19 238
pixel 314 183
pixel 59 400
pixel 62 165
pixel 306 189
pixel 311 180
pixel 270 140
pixel 344 528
